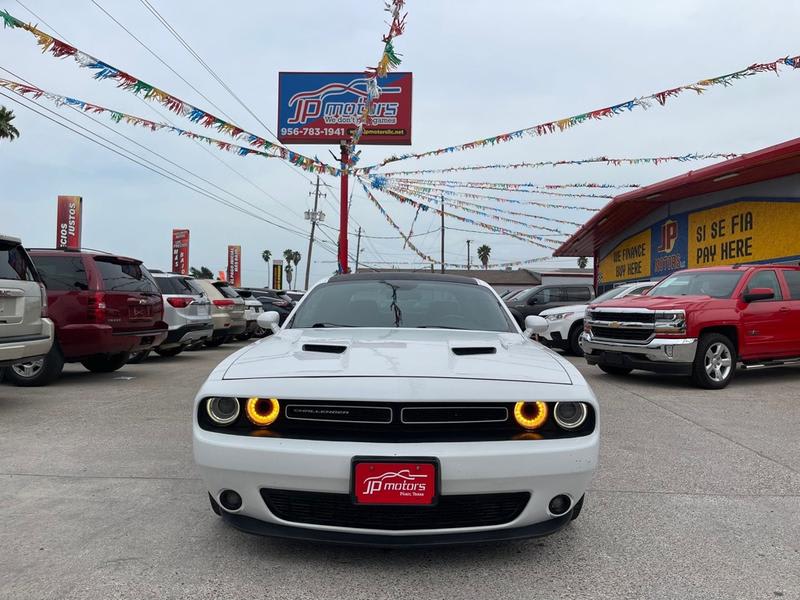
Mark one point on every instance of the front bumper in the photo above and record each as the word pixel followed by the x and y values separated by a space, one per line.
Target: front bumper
pixel 544 468
pixel 660 355
pixel 26 347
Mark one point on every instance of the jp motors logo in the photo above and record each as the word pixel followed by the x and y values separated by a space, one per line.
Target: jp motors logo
pixel 396 481
pixel 669 235
pixel 310 105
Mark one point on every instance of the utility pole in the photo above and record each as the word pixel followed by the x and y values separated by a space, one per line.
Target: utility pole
pixel 468 254
pixel 344 159
pixel 358 248
pixel 313 216
pixel 442 211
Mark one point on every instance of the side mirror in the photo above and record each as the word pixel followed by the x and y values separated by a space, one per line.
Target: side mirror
pixel 758 294
pixel 269 320
pixel 535 324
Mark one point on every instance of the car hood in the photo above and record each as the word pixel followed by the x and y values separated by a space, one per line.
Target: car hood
pixel 564 309
pixel 655 302
pixel 366 352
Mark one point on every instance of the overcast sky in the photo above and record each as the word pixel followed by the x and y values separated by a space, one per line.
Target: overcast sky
pixel 480 68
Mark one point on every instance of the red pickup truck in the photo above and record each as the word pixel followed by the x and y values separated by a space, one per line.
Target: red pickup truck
pixel 701 323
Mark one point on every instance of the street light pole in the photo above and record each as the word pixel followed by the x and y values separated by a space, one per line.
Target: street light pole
pixel 313 216
pixel 442 211
pixel 343 210
pixel 468 254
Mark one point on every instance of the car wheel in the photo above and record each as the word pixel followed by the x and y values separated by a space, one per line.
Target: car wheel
pixel 215 342
pixel 576 510
pixel 105 363
pixel 169 352
pixel 615 370
pixel 715 361
pixel 259 332
pixel 136 357
pixel 37 372
pixel 574 338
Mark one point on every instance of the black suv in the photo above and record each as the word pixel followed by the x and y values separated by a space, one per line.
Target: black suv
pixel 542 297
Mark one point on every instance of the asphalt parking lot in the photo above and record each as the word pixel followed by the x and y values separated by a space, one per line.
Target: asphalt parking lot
pixel 697 496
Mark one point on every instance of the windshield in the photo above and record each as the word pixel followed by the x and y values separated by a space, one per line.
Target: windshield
pixel 402 303
pixel 717 284
pixel 616 292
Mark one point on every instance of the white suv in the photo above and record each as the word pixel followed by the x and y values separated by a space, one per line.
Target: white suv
pixel 565 323
pixel 25 330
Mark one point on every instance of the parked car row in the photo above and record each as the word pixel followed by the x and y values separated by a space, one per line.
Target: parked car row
pixel 102 310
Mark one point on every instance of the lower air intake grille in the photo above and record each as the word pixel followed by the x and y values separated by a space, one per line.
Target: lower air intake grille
pixel 318 508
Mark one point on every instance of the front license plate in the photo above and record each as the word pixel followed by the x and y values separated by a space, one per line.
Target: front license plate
pixel 395 481
pixel 614 358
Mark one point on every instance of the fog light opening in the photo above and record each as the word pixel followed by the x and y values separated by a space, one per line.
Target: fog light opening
pixel 668 350
pixel 560 505
pixel 232 501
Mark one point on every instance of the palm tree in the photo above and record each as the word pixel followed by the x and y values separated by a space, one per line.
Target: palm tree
pixel 201 273
pixel 483 254
pixel 288 256
pixel 296 259
pixel 7 130
pixel 582 262
pixel 266 255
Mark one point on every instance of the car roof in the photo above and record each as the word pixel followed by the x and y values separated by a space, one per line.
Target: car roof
pixel 80 252
pixel 742 267
pixel 10 238
pixel 404 276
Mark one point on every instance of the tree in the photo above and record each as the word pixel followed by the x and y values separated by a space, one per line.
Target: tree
pixel 582 262
pixel 483 254
pixel 288 256
pixel 7 130
pixel 266 255
pixel 201 273
pixel 296 259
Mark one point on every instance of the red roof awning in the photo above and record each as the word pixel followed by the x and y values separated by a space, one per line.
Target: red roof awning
pixel 626 209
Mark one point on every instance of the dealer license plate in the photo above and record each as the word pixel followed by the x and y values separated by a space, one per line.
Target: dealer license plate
pixel 393 481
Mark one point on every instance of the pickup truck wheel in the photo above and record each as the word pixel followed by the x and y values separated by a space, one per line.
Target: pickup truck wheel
pixel 105 363
pixel 615 370
pixel 574 337
pixel 715 361
pixel 37 372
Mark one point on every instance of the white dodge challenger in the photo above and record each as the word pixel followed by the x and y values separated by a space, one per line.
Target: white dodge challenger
pixel 397 409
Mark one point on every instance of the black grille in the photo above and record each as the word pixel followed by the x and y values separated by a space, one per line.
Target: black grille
pixel 318 508
pixel 614 333
pixel 624 317
pixel 455 414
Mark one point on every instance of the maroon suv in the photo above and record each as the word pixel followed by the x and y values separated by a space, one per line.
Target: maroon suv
pixel 104 307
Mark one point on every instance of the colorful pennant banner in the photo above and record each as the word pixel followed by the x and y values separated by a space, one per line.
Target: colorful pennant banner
pixel 23 89
pixel 430 259
pixel 379 182
pixel 389 61
pixel 60 49
pixel 513 186
pixel 614 162
pixel 643 102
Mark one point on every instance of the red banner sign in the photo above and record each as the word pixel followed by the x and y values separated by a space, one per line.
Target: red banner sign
pixel 68 222
pixel 180 251
pixel 235 266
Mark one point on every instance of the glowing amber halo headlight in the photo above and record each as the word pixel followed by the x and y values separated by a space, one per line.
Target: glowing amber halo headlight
pixel 262 411
pixel 530 415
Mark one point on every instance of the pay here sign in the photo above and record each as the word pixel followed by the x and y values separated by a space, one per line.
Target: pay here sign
pixel 323 108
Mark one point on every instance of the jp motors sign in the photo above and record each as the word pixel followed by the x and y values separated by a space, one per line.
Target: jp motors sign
pixel 323 108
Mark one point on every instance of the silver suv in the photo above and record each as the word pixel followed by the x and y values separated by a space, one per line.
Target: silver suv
pixel 227 311
pixel 25 330
pixel 187 312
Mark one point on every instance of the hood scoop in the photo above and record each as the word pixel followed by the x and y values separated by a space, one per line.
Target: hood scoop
pixel 474 350
pixel 325 348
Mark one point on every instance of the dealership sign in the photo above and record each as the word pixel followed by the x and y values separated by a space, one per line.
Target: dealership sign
pixel 68 222
pixel 277 274
pixel 323 108
pixel 180 251
pixel 234 272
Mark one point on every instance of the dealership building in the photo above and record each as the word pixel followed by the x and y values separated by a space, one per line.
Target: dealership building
pixel 743 210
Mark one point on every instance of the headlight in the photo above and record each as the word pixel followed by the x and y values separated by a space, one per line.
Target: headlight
pixel 223 411
pixel 558 316
pixel 570 415
pixel 262 411
pixel 671 321
pixel 530 415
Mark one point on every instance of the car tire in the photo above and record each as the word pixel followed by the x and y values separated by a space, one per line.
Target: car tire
pixel 574 337
pixel 243 337
pixel 618 371
pixel 137 357
pixel 37 372
pixel 216 342
pixel 576 510
pixel 260 332
pixel 169 352
pixel 715 361
pixel 105 363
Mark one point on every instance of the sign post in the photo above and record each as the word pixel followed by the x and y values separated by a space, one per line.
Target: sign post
pixel 180 251
pixel 343 209
pixel 68 222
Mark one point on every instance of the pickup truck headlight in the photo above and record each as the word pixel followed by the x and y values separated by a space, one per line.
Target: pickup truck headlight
pixel 671 321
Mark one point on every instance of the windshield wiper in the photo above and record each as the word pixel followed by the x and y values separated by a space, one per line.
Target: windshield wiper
pixel 438 327
pixel 318 325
